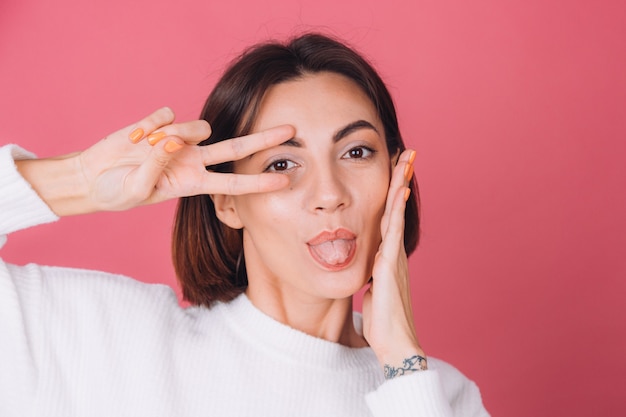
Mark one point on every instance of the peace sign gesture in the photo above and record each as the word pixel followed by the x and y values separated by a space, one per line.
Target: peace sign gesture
pixel 150 161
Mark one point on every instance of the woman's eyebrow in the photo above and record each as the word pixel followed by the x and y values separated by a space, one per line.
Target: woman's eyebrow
pixel 295 142
pixel 345 131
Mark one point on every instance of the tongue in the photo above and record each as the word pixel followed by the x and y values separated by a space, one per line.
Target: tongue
pixel 333 252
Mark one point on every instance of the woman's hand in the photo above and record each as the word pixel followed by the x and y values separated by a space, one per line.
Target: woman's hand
pixel 148 162
pixel 387 315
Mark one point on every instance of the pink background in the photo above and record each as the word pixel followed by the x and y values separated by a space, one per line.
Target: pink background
pixel 516 108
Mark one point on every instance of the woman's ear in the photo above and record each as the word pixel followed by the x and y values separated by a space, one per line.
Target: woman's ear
pixel 226 211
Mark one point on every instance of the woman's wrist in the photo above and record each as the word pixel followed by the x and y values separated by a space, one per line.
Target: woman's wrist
pixel 59 183
pixel 403 360
pixel 412 363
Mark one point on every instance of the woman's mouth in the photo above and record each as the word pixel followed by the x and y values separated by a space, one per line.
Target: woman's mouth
pixel 333 250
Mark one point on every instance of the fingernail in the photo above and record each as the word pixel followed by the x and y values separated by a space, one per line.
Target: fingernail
pixel 172 146
pixel 408 172
pixel 154 138
pixel 407 193
pixel 136 135
pixel 412 157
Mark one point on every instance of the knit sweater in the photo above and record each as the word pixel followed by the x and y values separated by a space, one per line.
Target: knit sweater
pixel 87 343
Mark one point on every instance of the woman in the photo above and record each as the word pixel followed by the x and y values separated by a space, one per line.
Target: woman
pixel 290 220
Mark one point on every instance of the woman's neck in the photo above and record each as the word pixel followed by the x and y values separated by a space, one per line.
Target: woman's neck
pixel 331 320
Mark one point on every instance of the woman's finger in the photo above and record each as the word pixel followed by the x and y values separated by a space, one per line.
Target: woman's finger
pixel 393 238
pixel 141 181
pixel 236 184
pixel 401 175
pixel 238 148
pixel 192 132
pixel 148 124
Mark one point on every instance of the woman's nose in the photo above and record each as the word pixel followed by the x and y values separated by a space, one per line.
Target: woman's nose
pixel 328 191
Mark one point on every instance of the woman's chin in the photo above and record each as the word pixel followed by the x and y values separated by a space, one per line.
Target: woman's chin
pixel 342 285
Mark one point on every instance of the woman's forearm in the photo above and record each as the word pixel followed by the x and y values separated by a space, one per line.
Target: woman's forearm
pixel 59 182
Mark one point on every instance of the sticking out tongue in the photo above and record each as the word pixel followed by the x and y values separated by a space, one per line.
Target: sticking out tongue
pixel 333 252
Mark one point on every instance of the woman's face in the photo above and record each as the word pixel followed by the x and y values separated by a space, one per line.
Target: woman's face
pixel 317 237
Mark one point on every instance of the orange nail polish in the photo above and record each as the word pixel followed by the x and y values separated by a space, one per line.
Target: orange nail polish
pixel 407 193
pixel 154 138
pixel 136 135
pixel 408 172
pixel 412 157
pixel 172 146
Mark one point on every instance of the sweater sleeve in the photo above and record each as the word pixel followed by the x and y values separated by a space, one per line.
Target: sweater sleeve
pixel 440 391
pixel 20 207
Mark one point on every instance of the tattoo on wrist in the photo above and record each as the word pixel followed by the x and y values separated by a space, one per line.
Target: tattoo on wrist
pixel 412 364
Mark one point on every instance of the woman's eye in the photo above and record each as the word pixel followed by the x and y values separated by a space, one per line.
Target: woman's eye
pixel 358 152
pixel 280 166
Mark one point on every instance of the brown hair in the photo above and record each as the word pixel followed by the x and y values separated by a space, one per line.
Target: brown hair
pixel 207 254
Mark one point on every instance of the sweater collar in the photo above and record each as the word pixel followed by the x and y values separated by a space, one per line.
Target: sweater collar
pixel 289 343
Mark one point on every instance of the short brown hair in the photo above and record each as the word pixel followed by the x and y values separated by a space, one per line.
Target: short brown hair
pixel 207 254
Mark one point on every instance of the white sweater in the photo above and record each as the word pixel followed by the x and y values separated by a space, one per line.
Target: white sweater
pixel 87 343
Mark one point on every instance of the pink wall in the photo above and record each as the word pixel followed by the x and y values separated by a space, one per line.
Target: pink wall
pixel 517 109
